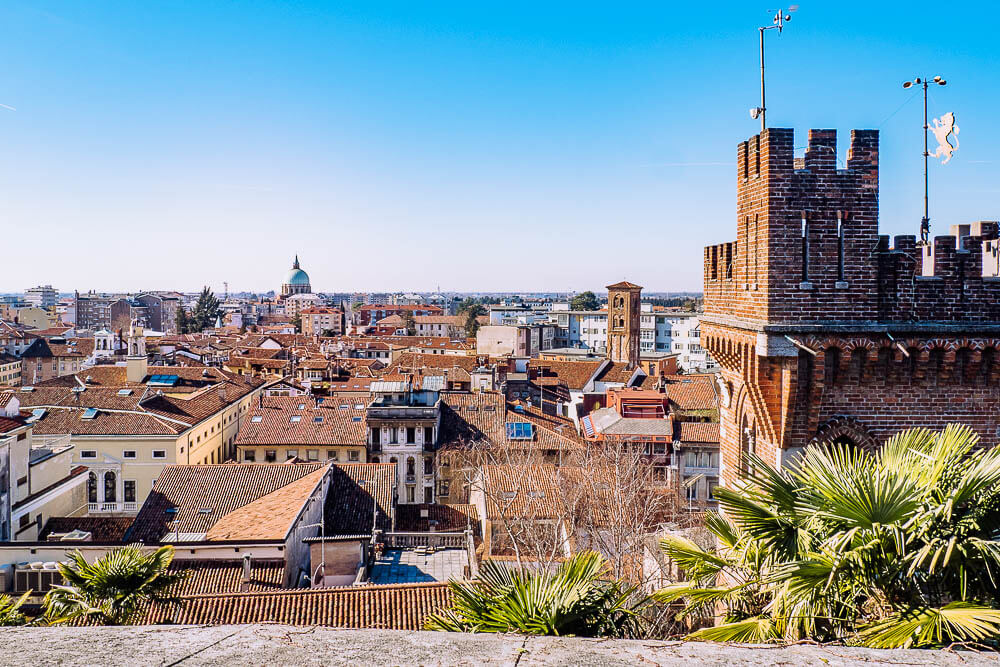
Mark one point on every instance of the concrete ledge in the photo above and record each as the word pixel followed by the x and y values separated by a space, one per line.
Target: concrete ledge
pixel 280 644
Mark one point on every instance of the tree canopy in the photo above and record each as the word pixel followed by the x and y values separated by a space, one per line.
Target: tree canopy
pixel 585 301
pixel 205 312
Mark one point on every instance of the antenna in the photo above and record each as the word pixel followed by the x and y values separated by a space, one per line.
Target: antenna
pixel 781 17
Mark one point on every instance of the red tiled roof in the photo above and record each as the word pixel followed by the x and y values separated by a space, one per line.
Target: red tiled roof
pixel 338 426
pixel 357 491
pixel 692 392
pixel 697 432
pixel 398 607
pixel 101 528
pixel 206 577
pixel 220 488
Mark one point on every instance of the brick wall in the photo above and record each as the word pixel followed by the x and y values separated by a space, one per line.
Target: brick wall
pixel 825 329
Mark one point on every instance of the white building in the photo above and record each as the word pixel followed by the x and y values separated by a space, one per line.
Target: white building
pixel 660 332
pixel 43 296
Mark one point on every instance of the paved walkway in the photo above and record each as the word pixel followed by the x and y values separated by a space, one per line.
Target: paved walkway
pixel 409 566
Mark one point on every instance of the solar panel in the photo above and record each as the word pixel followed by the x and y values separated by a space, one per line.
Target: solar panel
pixel 519 431
pixel 89 413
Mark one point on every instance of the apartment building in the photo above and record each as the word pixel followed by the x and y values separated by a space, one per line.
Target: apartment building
pixel 321 320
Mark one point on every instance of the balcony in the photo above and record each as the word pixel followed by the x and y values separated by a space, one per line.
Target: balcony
pixel 401 412
pixel 107 508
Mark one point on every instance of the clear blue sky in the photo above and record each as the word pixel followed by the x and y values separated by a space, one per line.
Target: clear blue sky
pixel 471 146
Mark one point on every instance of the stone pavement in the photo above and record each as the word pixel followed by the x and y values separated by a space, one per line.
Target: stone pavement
pixel 407 566
pixel 287 645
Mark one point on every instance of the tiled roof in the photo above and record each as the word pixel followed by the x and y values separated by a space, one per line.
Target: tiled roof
pixel 101 528
pixel 206 577
pixel 696 432
pixel 575 374
pixel 692 392
pixel 624 285
pixel 415 360
pixel 446 518
pixel 269 517
pixel 398 607
pixel 220 488
pixel 339 426
pixel 357 491
pixel 521 491
pixel 616 372
pixel 8 424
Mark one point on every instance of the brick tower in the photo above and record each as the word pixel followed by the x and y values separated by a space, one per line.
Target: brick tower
pixel 824 330
pixel 623 323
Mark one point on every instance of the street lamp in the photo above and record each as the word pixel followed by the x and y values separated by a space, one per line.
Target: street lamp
pixel 322 548
pixel 925 223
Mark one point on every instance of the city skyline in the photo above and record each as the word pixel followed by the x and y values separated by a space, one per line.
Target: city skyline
pixel 191 145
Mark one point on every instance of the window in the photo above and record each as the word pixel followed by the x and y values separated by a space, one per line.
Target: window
pixel 410 467
pixel 110 487
pixel 317 420
pixel 21 481
pixel 295 419
pixel 409 494
pixel 331 455
pixel 353 455
pixel 692 493
pixel 312 454
pixel 22 523
pixel 805 248
pixel 713 484
pixel 428 435
pixel 376 436
pixel 159 453
pixel 291 453
pixel 411 435
pixel 128 454
pixel 256 419
pixel 428 494
pixel 129 490
pixel 428 466
pixel 249 455
pixel 88 454
pixel 393 435
pixel 270 455
pixel 91 488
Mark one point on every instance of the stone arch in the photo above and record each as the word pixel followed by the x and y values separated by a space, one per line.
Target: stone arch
pixel 846 429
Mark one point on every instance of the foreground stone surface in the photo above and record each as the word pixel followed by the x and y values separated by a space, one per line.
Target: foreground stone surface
pixel 285 645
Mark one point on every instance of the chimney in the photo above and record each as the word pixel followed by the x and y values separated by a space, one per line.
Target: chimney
pixel 135 368
pixel 245 580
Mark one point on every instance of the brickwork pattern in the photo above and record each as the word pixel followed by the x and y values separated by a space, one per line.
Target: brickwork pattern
pixel 826 330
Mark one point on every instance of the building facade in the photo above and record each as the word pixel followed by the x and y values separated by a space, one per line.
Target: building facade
pixel 826 330
pixel 43 296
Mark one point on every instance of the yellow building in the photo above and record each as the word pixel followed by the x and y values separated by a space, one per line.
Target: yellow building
pixel 127 422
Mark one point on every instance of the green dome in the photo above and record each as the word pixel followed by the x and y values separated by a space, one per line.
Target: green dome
pixel 295 275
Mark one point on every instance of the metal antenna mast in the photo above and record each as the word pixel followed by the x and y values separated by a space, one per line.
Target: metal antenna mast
pixel 778 22
pixel 925 223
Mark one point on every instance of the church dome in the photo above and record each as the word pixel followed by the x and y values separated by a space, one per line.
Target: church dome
pixel 296 277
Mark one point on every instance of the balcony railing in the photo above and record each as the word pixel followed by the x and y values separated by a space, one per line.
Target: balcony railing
pixel 99 508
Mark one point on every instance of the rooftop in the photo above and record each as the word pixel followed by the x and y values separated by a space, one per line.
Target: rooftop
pixel 416 566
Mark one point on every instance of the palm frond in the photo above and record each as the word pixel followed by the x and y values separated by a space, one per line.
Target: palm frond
pixel 926 626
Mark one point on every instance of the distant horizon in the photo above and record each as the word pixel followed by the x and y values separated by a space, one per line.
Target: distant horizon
pixel 450 146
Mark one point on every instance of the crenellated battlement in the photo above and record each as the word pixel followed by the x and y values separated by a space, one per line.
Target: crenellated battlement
pixel 807 247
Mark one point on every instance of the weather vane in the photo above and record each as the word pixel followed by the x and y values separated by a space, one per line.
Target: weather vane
pixel 943 128
pixel 779 21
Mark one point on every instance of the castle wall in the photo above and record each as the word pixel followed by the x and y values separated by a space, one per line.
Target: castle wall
pixel 825 329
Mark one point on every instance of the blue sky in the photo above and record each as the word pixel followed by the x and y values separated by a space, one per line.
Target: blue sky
pixel 471 146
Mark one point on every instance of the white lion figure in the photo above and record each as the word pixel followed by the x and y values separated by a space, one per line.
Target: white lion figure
pixel 943 128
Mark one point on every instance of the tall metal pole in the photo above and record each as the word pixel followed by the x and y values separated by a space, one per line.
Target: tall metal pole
pixel 925 224
pixel 763 106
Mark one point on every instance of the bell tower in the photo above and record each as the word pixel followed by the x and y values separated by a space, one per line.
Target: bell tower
pixel 623 323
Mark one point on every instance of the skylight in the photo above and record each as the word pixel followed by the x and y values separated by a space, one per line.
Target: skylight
pixel 519 431
pixel 317 420
pixel 256 419
pixel 295 419
pixel 124 392
pixel 89 413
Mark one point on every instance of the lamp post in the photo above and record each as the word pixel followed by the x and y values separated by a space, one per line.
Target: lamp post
pixel 322 548
pixel 925 223
pixel 778 22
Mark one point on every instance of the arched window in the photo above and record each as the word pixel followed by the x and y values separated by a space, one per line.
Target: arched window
pixel 831 368
pixel 884 372
pixel 748 445
pixel 410 466
pixel 91 488
pixel 859 359
pixel 935 367
pixel 963 364
pixel 110 486
pixel 376 459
